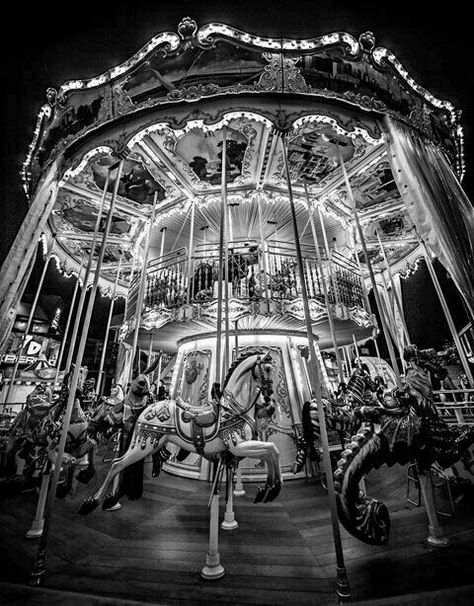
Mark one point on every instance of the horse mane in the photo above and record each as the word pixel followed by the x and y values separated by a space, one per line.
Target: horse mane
pixel 237 362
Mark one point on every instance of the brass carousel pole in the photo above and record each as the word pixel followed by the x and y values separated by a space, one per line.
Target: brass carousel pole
pixel 391 315
pixel 445 307
pixel 213 569
pixel 325 290
pixel 371 274
pixel 162 248
pixel 190 251
pixel 87 273
pixel 107 329
pixel 394 290
pixel 226 275
pixel 127 300
pixel 368 307
pixel 342 582
pixel 29 322
pixel 39 570
pixel 141 287
pixel 68 323
pixel 264 252
pixel 221 259
pixel 328 255
pixel 356 349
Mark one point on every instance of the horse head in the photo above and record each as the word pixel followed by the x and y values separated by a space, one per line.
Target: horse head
pixel 140 385
pixel 249 382
pixel 262 373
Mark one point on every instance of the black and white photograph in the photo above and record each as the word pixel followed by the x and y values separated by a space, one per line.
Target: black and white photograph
pixel 237 304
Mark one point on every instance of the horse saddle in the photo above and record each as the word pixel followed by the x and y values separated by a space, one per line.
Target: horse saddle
pixel 196 426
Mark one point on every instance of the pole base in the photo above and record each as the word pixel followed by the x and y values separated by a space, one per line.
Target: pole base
pixel 212 573
pixel 436 538
pixel 115 507
pixel 36 578
pixel 343 590
pixel 229 522
pixel 36 530
pixel 239 493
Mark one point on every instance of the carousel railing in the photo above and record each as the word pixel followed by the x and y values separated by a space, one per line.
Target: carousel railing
pixel 254 272
pixel 455 406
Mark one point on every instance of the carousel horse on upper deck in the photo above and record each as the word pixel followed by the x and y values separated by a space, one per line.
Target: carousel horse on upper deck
pixel 229 425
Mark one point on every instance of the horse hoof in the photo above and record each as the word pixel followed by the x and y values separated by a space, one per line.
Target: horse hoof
pixel 88 505
pixel 261 491
pixel 110 501
pixel 273 492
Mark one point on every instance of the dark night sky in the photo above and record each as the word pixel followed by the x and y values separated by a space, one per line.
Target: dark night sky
pixel 53 42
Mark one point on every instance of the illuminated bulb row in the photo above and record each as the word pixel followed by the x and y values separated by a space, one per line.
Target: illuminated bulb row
pixel 276 44
pixel 412 269
pixel 327 120
pixel 380 54
pixel 164 38
pixel 72 172
pixel 25 174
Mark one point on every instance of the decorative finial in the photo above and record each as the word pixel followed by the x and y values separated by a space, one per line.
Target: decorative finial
pixel 367 41
pixel 187 28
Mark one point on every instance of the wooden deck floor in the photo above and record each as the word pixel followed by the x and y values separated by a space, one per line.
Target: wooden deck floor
pixel 282 553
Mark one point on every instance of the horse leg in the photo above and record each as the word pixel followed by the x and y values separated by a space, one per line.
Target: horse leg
pixel 133 455
pixel 85 475
pixel 270 454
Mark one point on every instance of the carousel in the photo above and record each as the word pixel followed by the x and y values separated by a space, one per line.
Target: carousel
pixel 245 195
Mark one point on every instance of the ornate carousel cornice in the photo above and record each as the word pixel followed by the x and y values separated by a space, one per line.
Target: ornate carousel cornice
pixel 280 53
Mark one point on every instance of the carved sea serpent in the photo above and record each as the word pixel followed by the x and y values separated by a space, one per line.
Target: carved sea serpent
pixel 364 517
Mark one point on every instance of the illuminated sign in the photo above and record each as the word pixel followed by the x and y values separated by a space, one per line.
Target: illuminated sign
pixel 35 348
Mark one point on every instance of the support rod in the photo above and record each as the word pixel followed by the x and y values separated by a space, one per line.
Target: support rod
pixel 395 293
pixel 190 251
pixel 39 570
pixel 226 282
pixel 264 252
pixel 141 287
pixel 29 323
pixel 315 383
pixel 107 329
pixel 87 273
pixel 328 255
pixel 221 257
pixel 68 323
pixel 447 313
pixel 372 277
pixel 325 290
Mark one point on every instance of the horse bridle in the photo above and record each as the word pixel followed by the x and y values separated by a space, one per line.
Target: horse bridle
pixel 265 388
pixel 262 368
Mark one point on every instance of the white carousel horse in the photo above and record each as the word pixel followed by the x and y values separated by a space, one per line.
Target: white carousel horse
pixel 228 426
